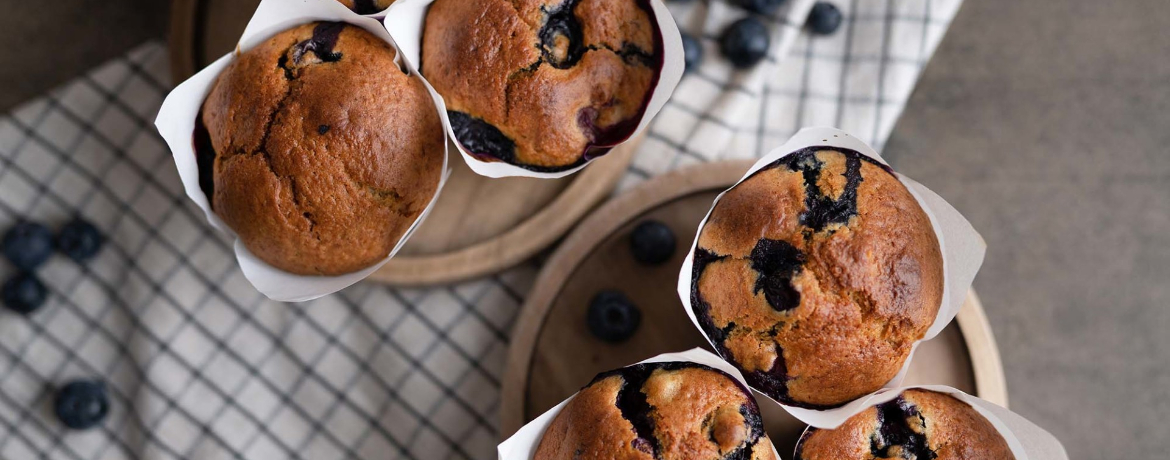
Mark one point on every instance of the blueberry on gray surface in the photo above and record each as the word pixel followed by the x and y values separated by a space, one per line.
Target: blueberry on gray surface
pixel 761 6
pixel 82 404
pixel 692 52
pixel 80 240
pixel 23 293
pixel 28 245
pixel 652 242
pixel 612 317
pixel 745 42
pixel 824 18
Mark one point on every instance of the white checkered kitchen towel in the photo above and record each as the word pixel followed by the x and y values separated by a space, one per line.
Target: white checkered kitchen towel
pixel 200 366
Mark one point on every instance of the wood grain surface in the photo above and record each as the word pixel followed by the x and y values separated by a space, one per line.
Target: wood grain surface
pixel 553 354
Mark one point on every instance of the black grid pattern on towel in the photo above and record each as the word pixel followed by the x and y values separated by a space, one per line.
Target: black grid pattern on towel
pixel 200 366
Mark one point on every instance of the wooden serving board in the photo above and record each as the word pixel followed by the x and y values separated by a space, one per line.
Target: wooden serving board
pixel 553 354
pixel 479 225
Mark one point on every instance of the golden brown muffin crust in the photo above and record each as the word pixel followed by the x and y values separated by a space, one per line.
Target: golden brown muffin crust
pixel 325 151
pixel 916 425
pixel 539 83
pixel 816 275
pixel 665 411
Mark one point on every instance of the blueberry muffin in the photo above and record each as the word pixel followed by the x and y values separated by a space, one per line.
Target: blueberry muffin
pixel 918 425
pixel 366 6
pixel 542 84
pixel 816 275
pixel 318 150
pixel 666 411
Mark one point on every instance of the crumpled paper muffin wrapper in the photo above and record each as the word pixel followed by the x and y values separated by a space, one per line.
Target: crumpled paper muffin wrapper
pixel 176 123
pixel 405 19
pixel 962 251
pixel 522 445
pixel 1026 440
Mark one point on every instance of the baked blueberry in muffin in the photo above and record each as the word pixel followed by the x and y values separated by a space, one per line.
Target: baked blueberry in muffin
pixel 318 150
pixel 918 425
pixel 816 275
pixel 542 84
pixel 366 6
pixel 676 410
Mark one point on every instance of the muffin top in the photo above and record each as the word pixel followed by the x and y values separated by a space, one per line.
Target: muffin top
pixel 542 84
pixel 318 150
pixel 919 424
pixel 816 275
pixel 664 411
pixel 366 6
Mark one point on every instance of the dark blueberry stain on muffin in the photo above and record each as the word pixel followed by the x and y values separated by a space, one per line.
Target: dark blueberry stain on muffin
pixel 480 138
pixel 895 418
pixel 322 129
pixel 204 159
pixel 365 7
pixel 561 39
pixel 321 44
pixel 777 262
pixel 822 210
pixel 799 454
pixel 634 407
pixel 774 380
pixel 632 403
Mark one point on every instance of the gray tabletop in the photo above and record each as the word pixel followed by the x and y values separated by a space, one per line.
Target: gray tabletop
pixel 1045 123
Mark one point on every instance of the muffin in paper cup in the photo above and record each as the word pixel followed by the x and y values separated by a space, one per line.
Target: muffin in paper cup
pixel 927 419
pixel 181 112
pixel 407 20
pixel 740 428
pixel 818 274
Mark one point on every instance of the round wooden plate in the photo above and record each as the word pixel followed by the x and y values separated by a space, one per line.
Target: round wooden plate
pixel 553 354
pixel 479 225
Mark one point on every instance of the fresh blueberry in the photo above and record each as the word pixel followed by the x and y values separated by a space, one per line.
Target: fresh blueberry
pixel 612 317
pixel 767 7
pixel 24 293
pixel 652 242
pixel 692 52
pixel 82 404
pixel 745 42
pixel 28 245
pixel 824 18
pixel 79 240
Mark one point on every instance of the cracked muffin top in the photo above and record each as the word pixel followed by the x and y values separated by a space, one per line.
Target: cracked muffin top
pixel 366 6
pixel 663 411
pixel 816 275
pixel 542 84
pixel 318 150
pixel 918 425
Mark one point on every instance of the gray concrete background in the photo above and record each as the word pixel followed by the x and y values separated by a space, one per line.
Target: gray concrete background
pixel 1046 122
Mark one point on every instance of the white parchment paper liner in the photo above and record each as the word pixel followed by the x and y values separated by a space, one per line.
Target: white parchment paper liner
pixel 522 445
pixel 962 251
pixel 405 20
pixel 176 123
pixel 1026 440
